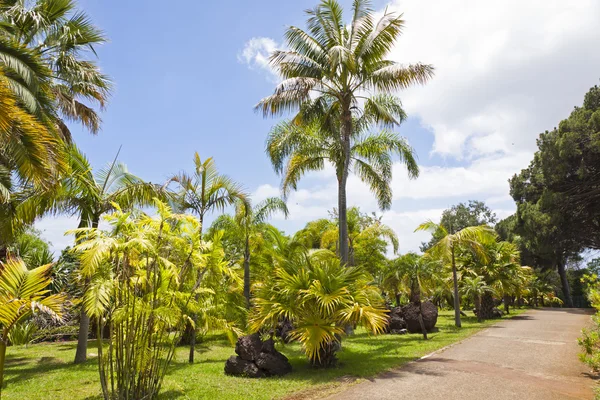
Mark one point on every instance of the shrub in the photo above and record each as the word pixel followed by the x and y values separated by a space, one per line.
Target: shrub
pixel 321 298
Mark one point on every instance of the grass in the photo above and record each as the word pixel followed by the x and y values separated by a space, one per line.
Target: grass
pixel 45 371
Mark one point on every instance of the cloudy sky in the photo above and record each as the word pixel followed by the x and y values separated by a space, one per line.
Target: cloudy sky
pixel 505 71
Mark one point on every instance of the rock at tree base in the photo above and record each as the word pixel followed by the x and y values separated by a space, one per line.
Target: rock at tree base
pixel 284 327
pixel 257 359
pixel 249 347
pixel 240 367
pixel 396 323
pixel 496 313
pixel 410 314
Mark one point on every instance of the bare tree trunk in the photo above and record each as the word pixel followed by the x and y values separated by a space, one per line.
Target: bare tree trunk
pixel 82 338
pixel 346 132
pixel 565 283
pixel 456 298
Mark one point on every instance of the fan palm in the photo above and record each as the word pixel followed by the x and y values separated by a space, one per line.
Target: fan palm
pixel 22 293
pixel 201 193
pixel 475 288
pixel 62 36
pixel 335 74
pixel 320 296
pixel 88 195
pixel 471 239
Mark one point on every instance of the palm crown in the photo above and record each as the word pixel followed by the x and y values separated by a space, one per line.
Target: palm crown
pixel 336 76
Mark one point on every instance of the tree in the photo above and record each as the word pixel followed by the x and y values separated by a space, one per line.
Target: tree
pixel 136 274
pixel 89 195
pixel 201 193
pixel 23 292
pixel 31 248
pixel 476 288
pixel 557 195
pixel 450 244
pixel 415 271
pixel 320 296
pixel 328 72
pixel 61 36
pixel 247 224
pixel 462 215
pixel 368 239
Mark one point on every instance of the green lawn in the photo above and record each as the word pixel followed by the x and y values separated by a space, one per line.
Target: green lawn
pixel 45 371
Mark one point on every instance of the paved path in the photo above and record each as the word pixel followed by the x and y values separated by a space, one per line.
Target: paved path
pixel 531 357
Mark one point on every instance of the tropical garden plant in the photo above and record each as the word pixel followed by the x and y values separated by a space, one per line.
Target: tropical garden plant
pixel 23 292
pixel 201 193
pixel 89 195
pixel 320 296
pixel 335 75
pixel 450 244
pixel 136 273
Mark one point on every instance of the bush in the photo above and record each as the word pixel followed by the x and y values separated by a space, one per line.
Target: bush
pixel 22 333
pixel 55 334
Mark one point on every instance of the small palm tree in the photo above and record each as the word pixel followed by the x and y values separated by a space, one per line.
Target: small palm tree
pixel 88 195
pixel 23 292
pixel 328 72
pixel 360 226
pixel 320 297
pixel 475 288
pixel 247 224
pixel 447 248
pixel 201 193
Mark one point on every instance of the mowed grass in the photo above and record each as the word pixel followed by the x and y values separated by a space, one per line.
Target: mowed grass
pixel 45 370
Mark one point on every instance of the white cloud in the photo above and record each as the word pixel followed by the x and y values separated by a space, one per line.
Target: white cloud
pixel 505 71
pixel 256 53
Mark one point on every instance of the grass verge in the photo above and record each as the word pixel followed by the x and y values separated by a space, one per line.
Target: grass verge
pixel 45 371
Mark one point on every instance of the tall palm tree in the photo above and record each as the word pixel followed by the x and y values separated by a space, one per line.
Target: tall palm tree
pixel 476 288
pixel 88 195
pixel 447 248
pixel 23 291
pixel 247 223
pixel 295 150
pixel 335 74
pixel 201 193
pixel 62 36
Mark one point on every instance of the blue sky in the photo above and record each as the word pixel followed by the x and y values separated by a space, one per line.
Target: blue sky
pixel 188 73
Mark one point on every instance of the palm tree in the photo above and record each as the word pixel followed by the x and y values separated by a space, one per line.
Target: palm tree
pixel 360 226
pixel 247 224
pixel 328 72
pixel 475 287
pixel 320 297
pixel 206 190
pixel 203 192
pixel 23 291
pixel 89 195
pixel 61 35
pixel 446 249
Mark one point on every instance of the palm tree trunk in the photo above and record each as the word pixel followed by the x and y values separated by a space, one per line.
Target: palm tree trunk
pixel 346 132
pixel 478 308
pixel 456 298
pixel 506 304
pixel 397 299
pixel 82 338
pixel 2 359
pixel 192 329
pixel 84 318
pixel 565 284
pixel 247 272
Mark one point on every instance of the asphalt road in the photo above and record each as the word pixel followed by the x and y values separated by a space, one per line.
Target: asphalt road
pixel 531 357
